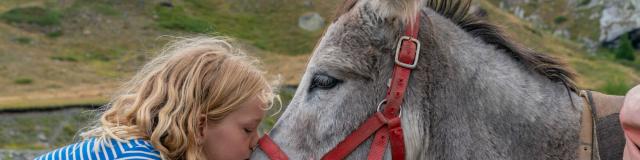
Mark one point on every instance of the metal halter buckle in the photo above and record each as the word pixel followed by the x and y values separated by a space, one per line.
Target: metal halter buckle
pixel 385 101
pixel 415 61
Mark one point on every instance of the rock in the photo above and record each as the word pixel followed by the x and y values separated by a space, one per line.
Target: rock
pixel 537 21
pixel 167 4
pixel 42 137
pixel 519 12
pixel 311 21
pixel 562 33
pixel 86 32
pixel 634 36
pixel 589 44
pixel 619 17
pixel 308 3
pixel 614 17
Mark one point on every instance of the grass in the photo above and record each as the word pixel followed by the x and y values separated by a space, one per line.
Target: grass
pixel 67 58
pixel 51 102
pixel 267 28
pixel 595 72
pixel 110 52
pixel 54 34
pixel 105 9
pixel 23 40
pixel 176 18
pixel 92 55
pixel 27 130
pixel 609 54
pixel 615 86
pixel 271 29
pixel 33 15
pixel 23 81
pixel 560 15
pixel 102 7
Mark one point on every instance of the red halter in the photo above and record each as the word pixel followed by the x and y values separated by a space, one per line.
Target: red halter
pixel 385 124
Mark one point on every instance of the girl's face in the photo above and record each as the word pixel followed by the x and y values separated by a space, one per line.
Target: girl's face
pixel 234 137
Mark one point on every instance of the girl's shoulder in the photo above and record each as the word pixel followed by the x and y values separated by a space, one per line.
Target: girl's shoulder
pixel 105 150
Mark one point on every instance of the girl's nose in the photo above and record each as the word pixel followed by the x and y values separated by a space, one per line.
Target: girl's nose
pixel 254 140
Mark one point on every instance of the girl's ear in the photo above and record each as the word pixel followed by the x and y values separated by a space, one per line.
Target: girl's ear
pixel 202 126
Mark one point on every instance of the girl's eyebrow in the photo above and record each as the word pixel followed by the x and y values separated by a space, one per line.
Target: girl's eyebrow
pixel 253 120
pixel 256 120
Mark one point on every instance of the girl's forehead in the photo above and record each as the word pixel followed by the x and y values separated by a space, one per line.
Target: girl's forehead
pixel 252 108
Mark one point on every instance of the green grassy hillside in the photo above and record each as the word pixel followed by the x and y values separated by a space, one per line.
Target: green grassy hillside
pixel 600 72
pixel 55 52
pixel 85 49
pixel 63 52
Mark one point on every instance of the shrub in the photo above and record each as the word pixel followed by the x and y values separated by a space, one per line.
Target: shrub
pixel 54 34
pixel 23 40
pixel 32 15
pixel 584 2
pixel 23 81
pixel 68 58
pixel 625 49
pixel 560 19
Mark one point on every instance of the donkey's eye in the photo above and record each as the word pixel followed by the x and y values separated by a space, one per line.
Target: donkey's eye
pixel 322 81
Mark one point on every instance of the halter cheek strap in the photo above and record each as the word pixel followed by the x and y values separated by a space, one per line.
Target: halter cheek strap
pixel 406 59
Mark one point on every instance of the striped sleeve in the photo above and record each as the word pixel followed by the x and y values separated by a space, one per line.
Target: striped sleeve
pixel 90 149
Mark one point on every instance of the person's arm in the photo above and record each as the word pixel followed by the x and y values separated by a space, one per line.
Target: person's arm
pixel 630 120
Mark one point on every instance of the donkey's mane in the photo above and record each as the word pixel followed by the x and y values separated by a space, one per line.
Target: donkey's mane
pixel 458 12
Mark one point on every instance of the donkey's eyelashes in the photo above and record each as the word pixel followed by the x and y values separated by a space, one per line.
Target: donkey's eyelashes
pixel 323 81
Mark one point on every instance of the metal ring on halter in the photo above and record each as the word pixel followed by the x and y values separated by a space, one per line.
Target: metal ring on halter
pixel 385 101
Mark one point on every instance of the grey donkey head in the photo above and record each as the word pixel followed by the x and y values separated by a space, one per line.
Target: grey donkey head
pixel 463 59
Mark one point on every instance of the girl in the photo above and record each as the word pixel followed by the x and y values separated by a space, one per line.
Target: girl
pixel 630 121
pixel 199 99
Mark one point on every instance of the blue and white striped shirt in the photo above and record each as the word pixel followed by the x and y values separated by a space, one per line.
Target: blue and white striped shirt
pixel 133 149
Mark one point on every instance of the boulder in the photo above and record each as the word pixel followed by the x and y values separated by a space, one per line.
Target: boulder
pixel 619 17
pixel 311 21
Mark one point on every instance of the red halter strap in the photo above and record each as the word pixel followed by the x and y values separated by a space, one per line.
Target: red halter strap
pixel 385 125
pixel 271 149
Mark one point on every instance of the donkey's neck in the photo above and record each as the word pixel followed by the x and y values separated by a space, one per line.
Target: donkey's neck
pixel 490 106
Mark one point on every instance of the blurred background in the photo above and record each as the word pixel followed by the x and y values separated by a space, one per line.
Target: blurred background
pixel 62 59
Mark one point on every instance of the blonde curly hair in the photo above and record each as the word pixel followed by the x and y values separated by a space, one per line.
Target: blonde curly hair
pixel 191 77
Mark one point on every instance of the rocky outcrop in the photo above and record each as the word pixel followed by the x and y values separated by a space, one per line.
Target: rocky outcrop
pixel 634 36
pixel 613 18
pixel 620 17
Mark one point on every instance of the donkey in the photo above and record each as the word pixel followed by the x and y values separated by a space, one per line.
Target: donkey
pixel 474 94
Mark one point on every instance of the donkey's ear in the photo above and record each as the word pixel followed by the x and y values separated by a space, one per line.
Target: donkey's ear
pixel 405 10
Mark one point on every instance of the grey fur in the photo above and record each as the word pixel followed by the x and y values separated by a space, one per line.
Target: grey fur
pixel 467 99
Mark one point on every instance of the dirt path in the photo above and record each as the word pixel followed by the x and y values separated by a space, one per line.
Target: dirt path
pixel 78 95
